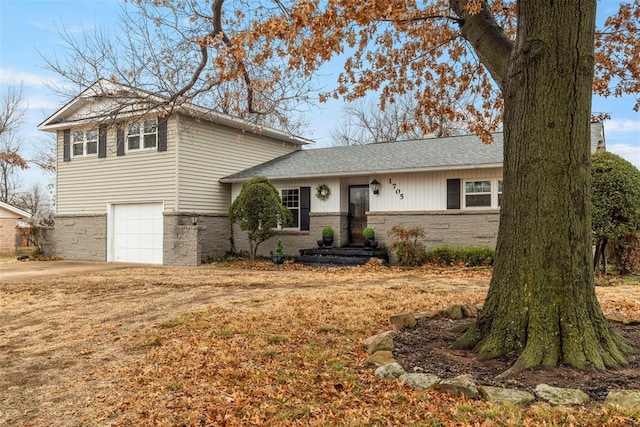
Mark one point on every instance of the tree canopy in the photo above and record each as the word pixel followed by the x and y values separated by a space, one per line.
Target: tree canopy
pixel 615 197
pixel 260 58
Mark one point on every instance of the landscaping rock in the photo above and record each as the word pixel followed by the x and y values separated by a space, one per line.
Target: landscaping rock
pixel 382 341
pixel 454 312
pixel 380 358
pixel 626 399
pixel 392 370
pixel 403 320
pixel 561 396
pixel 462 385
pixel 621 318
pixel 420 381
pixel 505 395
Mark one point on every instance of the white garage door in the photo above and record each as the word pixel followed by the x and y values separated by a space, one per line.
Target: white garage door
pixel 137 233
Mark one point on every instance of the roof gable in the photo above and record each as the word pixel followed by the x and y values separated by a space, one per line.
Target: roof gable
pixel 105 100
pixel 16 212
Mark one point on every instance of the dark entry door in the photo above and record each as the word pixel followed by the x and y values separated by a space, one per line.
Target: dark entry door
pixel 358 207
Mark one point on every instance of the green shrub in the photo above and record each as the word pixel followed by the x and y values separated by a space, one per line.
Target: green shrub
pixel 409 251
pixel 368 233
pixel 479 256
pixel 327 232
pixel 469 256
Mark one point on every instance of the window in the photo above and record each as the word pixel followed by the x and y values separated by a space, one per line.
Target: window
pixel 142 135
pixel 477 194
pixel 499 193
pixel 85 142
pixel 291 199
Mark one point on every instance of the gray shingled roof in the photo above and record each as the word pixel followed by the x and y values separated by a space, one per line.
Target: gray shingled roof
pixel 457 152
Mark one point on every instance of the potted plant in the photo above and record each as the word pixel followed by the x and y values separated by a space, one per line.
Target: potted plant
pixel 327 236
pixel 278 258
pixel 369 238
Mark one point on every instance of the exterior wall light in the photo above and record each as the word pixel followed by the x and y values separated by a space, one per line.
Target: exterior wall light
pixel 375 186
pixel 194 218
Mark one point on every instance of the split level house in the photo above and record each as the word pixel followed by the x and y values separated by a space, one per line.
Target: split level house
pixel 150 186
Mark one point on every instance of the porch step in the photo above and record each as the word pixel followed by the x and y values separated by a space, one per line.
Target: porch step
pixel 340 256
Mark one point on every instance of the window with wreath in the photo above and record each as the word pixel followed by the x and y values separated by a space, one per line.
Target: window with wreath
pixel 85 142
pixel 291 199
pixel 477 194
pixel 142 135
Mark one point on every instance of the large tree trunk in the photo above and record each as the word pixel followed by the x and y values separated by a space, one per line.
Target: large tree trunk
pixel 542 302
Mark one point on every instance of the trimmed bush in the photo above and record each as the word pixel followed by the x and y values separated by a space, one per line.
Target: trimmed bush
pixel 469 256
pixel 368 233
pixel 327 232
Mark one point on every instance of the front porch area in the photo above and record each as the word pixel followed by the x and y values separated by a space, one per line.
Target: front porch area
pixel 340 256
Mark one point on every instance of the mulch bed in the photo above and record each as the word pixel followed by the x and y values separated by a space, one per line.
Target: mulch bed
pixel 425 348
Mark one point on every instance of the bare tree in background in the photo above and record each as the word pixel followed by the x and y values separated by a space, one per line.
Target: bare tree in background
pixel 185 54
pixel 12 116
pixel 364 122
pixel 36 201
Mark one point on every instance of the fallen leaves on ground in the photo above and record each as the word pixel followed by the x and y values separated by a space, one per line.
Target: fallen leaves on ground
pixel 272 347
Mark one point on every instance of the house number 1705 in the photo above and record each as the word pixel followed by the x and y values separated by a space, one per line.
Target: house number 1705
pixel 396 189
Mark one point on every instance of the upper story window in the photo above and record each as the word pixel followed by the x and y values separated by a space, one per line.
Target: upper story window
pixel 142 135
pixel 85 142
pixel 477 194
pixel 291 199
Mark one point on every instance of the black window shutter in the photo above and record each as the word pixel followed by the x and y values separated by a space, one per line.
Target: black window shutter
pixel 305 207
pixel 102 141
pixel 66 145
pixel 120 141
pixel 453 194
pixel 162 134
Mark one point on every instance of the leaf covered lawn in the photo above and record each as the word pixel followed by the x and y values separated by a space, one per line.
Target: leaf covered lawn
pixel 236 347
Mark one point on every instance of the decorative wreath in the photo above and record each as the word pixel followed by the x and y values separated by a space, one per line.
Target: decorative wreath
pixel 323 191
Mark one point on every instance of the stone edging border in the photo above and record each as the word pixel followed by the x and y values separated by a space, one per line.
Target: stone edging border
pixel 380 348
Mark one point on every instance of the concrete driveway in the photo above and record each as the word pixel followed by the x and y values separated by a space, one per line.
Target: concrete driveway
pixel 16 271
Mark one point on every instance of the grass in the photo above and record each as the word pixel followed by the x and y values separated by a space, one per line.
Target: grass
pixel 297 360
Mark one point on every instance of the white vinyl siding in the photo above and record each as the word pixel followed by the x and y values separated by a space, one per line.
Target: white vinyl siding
pixel 208 152
pixel 425 191
pixel 87 185
pixel 332 204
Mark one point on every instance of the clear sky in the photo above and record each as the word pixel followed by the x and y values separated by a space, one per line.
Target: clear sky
pixel 29 28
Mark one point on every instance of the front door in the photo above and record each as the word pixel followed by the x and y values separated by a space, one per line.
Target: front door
pixel 358 207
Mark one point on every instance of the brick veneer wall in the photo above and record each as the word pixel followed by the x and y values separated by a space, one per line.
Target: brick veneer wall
pixel 8 235
pixel 82 237
pixel 453 228
pixel 293 241
pixel 186 244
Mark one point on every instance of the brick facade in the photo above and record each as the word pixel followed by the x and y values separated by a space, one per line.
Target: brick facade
pixel 453 228
pixel 81 237
pixel 8 236
pixel 293 241
pixel 186 244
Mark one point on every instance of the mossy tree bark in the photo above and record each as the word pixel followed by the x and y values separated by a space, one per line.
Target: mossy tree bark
pixel 542 303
